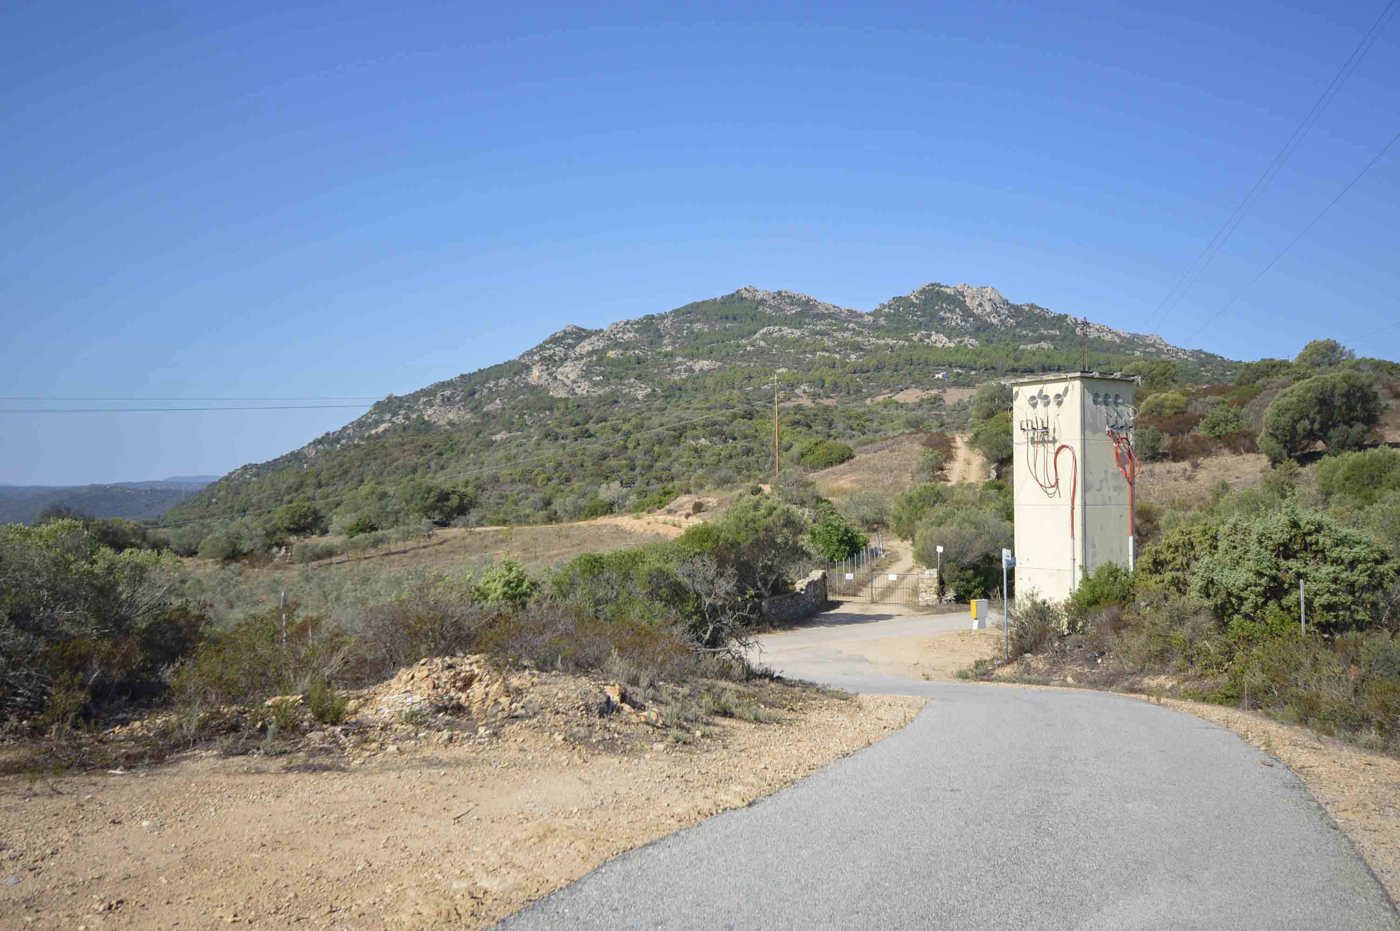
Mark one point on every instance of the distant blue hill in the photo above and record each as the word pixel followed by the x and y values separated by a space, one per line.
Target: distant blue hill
pixel 133 500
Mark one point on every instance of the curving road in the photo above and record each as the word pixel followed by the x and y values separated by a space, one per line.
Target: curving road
pixel 997 808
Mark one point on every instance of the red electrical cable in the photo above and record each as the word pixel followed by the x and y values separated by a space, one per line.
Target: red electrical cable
pixel 1126 460
pixel 1074 483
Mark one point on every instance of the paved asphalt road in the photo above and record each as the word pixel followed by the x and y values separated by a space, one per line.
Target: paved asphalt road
pixel 998 808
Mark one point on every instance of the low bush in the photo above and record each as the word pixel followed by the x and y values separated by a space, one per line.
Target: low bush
pixel 1109 584
pixel 823 454
pixel 911 506
pixel 1221 420
pixel 263 656
pixel 325 703
pixel 1036 623
pixel 306 551
pixel 506 585
pixel 1360 479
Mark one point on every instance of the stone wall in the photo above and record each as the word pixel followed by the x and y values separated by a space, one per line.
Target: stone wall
pixel 807 599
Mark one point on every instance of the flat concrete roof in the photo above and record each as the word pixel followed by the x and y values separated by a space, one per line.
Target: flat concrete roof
pixel 1060 376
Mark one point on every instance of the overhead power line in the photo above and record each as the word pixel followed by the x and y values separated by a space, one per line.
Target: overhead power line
pixel 1217 242
pixel 112 400
pixel 176 410
pixel 1294 241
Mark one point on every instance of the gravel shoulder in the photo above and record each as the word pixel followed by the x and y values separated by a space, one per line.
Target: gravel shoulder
pixel 413 833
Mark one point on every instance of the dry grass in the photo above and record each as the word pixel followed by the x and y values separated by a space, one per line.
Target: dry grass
pixel 535 547
pixel 1189 484
pixel 885 468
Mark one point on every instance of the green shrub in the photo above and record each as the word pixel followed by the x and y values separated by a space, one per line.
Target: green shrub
pixel 1337 410
pixel 992 438
pixel 1154 374
pixel 1244 564
pixel 911 506
pixel 261 657
pixel 326 704
pixel 436 502
pixel 306 551
pixel 1163 404
pixel 298 519
pixel 84 628
pixel 1109 584
pixel 823 454
pixel 1348 688
pixel 506 584
pixel 360 524
pixel 1253 373
pixel 833 539
pixel 1323 354
pixel 868 510
pixel 991 398
pixel 972 539
pixel 225 545
pixel 1221 420
pixel 1360 479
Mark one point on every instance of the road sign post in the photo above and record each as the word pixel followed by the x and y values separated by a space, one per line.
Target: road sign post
pixel 1008 561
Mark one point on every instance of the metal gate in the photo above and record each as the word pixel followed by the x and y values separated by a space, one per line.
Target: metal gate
pixel 870 584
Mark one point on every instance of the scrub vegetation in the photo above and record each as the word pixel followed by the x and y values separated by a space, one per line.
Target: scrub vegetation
pixel 92 635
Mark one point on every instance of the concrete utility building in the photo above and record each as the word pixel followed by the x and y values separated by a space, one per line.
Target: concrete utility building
pixel 1074 472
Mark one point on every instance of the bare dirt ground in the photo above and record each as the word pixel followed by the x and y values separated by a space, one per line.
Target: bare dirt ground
pixel 935 658
pixel 1188 484
pixel 411 829
pixel 968 465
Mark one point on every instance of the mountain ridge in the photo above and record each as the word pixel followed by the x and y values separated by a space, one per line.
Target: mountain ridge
pixel 583 383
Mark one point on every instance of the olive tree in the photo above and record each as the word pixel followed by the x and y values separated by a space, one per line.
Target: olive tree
pixel 1337 410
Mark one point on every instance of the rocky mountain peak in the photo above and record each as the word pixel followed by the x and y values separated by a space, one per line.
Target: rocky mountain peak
pixel 789 303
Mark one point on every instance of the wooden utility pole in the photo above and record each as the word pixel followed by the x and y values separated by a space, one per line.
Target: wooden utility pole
pixel 777 430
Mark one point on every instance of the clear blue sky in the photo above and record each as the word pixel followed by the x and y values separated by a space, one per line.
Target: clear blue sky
pixel 248 201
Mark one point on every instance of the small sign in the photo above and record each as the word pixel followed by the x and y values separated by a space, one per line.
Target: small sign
pixel 1007 560
pixel 894 577
pixel 850 576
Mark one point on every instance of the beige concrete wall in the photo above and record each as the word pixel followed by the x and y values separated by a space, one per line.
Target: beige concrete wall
pixel 1072 411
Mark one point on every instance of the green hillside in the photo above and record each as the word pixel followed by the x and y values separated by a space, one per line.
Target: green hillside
pixel 592 421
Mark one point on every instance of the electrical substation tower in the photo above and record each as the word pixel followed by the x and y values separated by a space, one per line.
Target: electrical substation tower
pixel 1075 477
